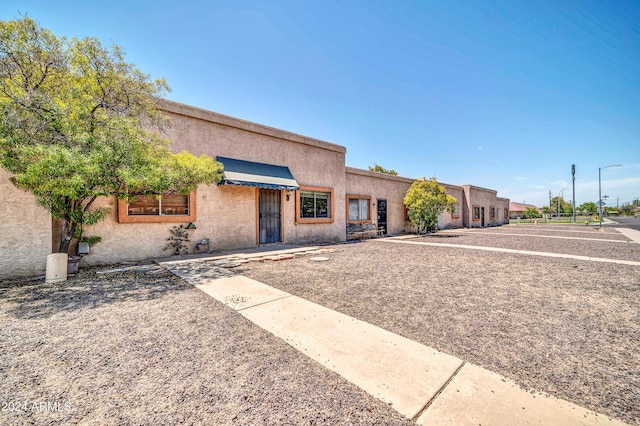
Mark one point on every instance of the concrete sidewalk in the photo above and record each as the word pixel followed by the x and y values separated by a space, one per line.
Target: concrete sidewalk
pixel 632 234
pixel 420 382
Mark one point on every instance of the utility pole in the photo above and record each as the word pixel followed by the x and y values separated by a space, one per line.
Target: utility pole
pixel 600 202
pixel 573 205
pixel 550 204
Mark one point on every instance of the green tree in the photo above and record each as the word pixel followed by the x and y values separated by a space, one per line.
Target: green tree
pixel 564 206
pixel 378 168
pixel 425 201
pixel 78 123
pixel 627 209
pixel 588 206
pixel 531 212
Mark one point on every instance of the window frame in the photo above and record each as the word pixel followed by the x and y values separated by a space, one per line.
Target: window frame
pixel 478 217
pixel 124 217
pixel 453 213
pixel 492 212
pixel 310 220
pixel 359 197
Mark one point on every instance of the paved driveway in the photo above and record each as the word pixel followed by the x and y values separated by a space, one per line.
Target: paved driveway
pixel 627 222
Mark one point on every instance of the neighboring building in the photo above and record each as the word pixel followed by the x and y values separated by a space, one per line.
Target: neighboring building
pixel 278 187
pixel 518 209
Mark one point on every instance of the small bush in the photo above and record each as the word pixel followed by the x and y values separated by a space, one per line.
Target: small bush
pixel 176 242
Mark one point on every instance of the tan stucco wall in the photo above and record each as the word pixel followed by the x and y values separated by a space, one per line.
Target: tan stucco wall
pixel 227 215
pixel 25 232
pixel 487 198
pixel 449 220
pixel 224 215
pixel 312 162
pixel 381 186
pixel 393 189
pixel 504 204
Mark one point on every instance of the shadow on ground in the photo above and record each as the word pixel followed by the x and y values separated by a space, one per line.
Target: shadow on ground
pixel 38 299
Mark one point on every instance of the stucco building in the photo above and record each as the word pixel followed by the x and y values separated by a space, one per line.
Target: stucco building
pixel 519 209
pixel 278 187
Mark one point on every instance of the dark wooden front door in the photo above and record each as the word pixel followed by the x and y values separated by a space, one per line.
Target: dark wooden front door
pixel 270 203
pixel 382 214
pixel 482 215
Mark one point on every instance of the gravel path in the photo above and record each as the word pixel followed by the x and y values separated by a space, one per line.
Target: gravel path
pixel 130 348
pixel 564 327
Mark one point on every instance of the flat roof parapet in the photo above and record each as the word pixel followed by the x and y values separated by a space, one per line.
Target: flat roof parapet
pixel 378 175
pixel 214 117
pixel 479 188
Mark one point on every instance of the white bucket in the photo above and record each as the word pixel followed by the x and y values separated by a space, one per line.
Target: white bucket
pixel 56 267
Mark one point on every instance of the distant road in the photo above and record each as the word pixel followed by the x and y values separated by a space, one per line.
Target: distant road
pixel 626 222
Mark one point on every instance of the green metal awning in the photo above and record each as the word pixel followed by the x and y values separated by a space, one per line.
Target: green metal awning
pixel 261 175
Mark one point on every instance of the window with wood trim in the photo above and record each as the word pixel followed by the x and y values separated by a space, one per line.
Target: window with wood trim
pixel 358 208
pixel 476 212
pixel 158 208
pixel 456 211
pixel 314 205
pixel 506 213
pixel 492 212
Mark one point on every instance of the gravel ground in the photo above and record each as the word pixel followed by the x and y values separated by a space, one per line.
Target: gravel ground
pixel 563 327
pixel 591 231
pixel 622 248
pixel 131 348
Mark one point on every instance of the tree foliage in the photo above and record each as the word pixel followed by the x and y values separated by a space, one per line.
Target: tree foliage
pixel 588 206
pixel 532 213
pixel 559 205
pixel 76 124
pixel 378 168
pixel 425 201
pixel 627 209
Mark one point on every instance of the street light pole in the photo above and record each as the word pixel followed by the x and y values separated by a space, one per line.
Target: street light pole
pixel 600 189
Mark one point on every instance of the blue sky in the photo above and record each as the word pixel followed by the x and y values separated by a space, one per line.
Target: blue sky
pixel 499 94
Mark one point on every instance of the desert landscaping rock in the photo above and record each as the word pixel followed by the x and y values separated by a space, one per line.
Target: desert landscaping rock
pixel 564 327
pixel 129 348
pixel 318 259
